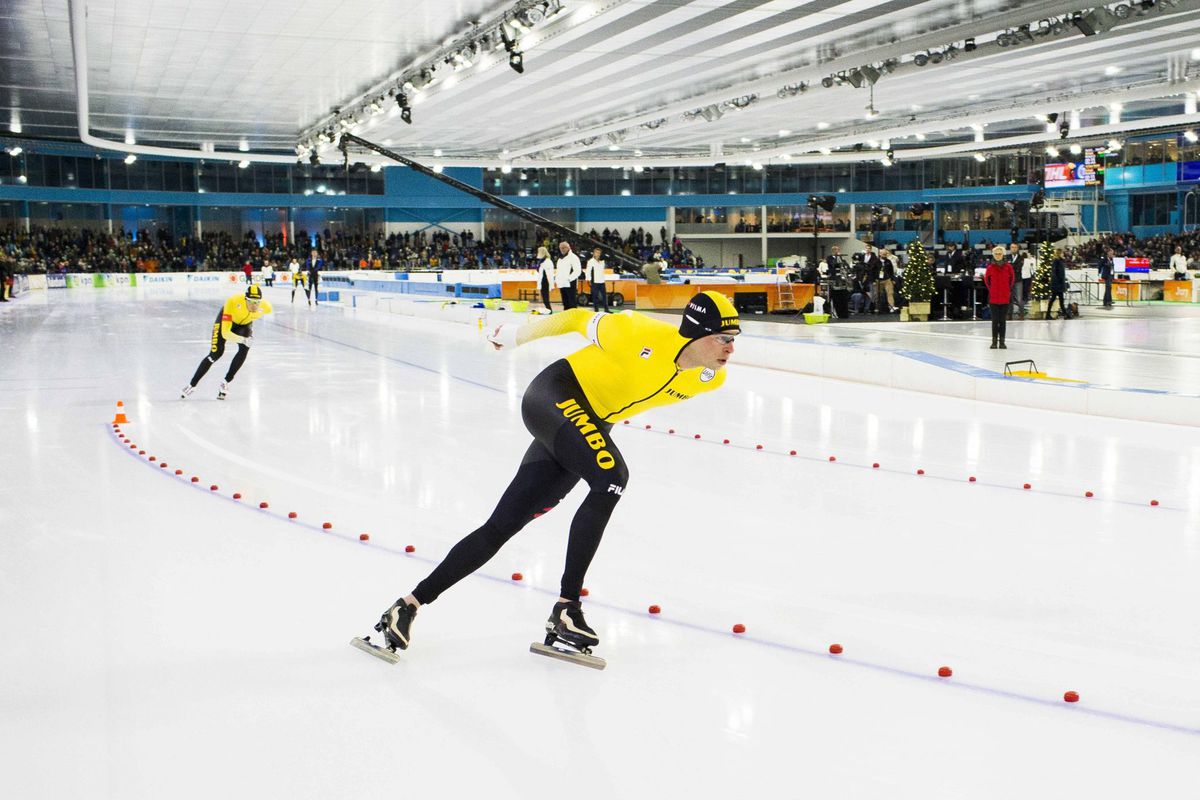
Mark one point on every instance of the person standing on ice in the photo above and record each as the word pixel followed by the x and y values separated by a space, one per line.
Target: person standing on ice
pixel 545 276
pixel 632 363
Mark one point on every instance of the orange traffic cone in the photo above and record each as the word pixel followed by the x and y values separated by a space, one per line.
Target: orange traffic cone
pixel 120 418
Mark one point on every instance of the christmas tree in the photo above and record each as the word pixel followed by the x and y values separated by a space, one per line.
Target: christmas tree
pixel 1041 273
pixel 918 275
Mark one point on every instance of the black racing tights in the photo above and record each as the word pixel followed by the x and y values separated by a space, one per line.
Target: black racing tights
pixel 217 349
pixel 569 444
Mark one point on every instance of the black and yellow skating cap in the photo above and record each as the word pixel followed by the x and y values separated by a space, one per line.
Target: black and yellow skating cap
pixel 708 313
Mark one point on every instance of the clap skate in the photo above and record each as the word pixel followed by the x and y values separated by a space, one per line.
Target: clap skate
pixel 569 637
pixel 183 393
pixel 221 390
pixel 394 625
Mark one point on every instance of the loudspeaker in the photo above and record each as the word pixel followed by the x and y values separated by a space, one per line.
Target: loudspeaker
pixel 750 302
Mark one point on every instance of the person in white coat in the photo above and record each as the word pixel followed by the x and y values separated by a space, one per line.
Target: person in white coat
pixel 566 272
pixel 268 274
pixel 1178 264
pixel 545 276
pixel 595 274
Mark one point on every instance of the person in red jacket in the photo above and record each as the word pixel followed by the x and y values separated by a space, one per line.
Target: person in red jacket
pixel 999 282
pixel 249 270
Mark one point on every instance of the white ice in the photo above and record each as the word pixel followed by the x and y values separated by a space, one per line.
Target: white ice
pixel 164 640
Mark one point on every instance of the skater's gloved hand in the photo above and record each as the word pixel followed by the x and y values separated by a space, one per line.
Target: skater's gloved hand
pixel 505 335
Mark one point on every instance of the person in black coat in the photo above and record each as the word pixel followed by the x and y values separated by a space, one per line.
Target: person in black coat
pixel 1106 275
pixel 1058 286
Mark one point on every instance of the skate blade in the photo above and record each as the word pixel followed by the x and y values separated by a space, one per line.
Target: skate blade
pixel 563 654
pixel 381 653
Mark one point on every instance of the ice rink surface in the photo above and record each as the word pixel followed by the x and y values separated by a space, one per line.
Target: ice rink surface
pixel 163 639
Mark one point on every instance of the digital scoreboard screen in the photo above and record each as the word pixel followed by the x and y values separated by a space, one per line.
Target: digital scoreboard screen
pixel 1071 174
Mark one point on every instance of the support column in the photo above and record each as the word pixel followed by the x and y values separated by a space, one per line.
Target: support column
pixel 762 232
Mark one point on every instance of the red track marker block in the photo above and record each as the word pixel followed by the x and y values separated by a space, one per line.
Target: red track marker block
pixel 670 430
pixel 758 447
pixel 654 610
pixel 584 592
pixel 410 549
pixel 213 488
pixel 195 479
pixel 162 464
pixel 647 427
pixel 791 452
pixel 326 525
pixel 739 628
pixel 1088 494
pixel 626 422
pixel 364 537
pixel 725 441
pixel 178 472
pixel 971 479
pixel 1153 502
pixel 291 515
pixel 833 458
pixel 875 465
pixel 264 504
pixel 152 458
pixel 1028 486
pixel 237 495
pixel 141 452
pixel 133 447
pixel 1071 697
pixel 920 472
pixel 516 576
pixel 836 649
pixel 945 672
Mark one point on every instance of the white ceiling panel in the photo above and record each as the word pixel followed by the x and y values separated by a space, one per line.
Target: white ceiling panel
pixel 188 73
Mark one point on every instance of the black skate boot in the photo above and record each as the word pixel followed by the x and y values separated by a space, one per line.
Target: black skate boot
pixel 569 637
pixel 395 624
pixel 567 625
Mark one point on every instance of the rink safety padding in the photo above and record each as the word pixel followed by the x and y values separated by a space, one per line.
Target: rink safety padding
pixel 327 531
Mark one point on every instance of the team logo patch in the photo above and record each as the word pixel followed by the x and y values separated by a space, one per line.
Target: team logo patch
pixel 646 352
pixel 707 375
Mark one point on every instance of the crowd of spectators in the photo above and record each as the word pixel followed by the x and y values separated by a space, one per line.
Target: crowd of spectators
pixel 1158 249
pixel 62 250
pixel 83 250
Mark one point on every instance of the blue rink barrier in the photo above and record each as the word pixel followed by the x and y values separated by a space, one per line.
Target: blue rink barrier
pixel 470 290
pixel 329 297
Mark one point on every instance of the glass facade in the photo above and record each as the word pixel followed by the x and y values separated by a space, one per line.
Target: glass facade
pixel 864 176
pixel 152 175
pixel 1153 209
